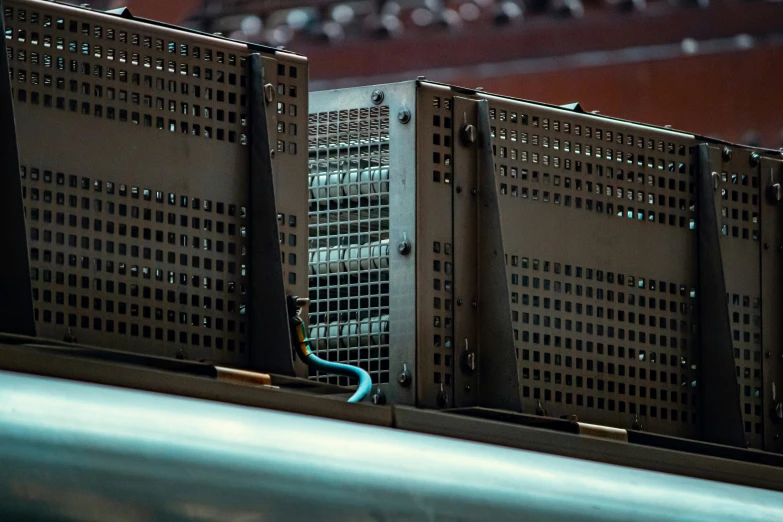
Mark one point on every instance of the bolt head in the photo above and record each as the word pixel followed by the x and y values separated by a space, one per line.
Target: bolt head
pixel 404 379
pixel 404 248
pixel 467 134
pixel 378 398
pixel 269 93
pixel 376 96
pixel 754 159
pixel 726 154
pixel 403 115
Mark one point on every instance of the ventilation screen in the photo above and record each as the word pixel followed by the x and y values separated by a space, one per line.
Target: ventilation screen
pixel 133 146
pixel 349 239
pixel 591 210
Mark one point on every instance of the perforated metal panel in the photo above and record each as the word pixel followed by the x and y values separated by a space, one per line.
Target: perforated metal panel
pixel 133 142
pixel 740 206
pixel 591 211
pixel 597 227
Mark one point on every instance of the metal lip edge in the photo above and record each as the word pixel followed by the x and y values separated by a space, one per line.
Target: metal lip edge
pixel 78 10
pixel 339 90
pixel 572 445
pixel 635 437
pixel 645 126
pixel 15 358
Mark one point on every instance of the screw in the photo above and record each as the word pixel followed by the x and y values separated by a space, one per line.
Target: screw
pixel 467 134
pixel 403 115
pixel 378 397
pixel 69 337
pixel 473 191
pixel 459 302
pixel 774 193
pixel 404 248
pixel 726 154
pixel 468 362
pixel 767 354
pixel 474 304
pixel 443 397
pixel 754 159
pixel 459 190
pixel 404 378
pixel 766 246
pixel 777 411
pixel 269 93
pixel 376 96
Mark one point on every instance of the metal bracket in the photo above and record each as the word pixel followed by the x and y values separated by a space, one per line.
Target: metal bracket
pixel 269 337
pixel 771 304
pixel 16 305
pixel 720 406
pixel 498 375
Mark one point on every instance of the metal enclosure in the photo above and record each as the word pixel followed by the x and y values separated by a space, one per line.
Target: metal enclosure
pixel 143 183
pixel 626 302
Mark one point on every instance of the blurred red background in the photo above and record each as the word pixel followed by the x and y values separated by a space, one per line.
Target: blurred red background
pixel 711 68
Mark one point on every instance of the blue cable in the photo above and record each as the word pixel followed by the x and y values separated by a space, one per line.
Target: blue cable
pixel 365 382
pixel 312 360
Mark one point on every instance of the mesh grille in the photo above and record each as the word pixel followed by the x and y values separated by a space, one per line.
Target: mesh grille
pixel 349 239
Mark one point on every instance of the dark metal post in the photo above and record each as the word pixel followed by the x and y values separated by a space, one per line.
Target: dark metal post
pixel 498 374
pixel 16 300
pixel 269 338
pixel 721 415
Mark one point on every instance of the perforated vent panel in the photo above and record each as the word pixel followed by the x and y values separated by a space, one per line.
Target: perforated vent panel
pixel 136 262
pixel 740 223
pixel 435 261
pixel 133 141
pixel 589 208
pixel 349 238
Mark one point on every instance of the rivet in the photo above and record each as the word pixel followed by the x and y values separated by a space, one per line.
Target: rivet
pixel 403 115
